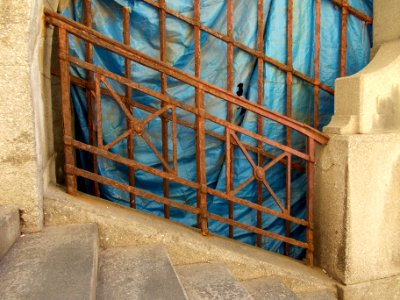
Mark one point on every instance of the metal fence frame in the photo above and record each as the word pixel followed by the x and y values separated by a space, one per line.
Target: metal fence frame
pixel 96 84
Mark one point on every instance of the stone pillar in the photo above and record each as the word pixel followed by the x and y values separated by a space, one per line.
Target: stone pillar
pixel 387 21
pixel 20 95
pixel 357 209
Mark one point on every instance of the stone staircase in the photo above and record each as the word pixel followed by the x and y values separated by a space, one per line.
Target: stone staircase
pixel 65 262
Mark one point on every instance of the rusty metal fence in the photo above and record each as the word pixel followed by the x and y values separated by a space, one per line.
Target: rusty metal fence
pixel 98 83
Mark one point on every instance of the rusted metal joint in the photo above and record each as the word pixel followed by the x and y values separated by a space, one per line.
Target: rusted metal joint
pixel 201 112
pixel 259 173
pixel 137 126
pixel 203 189
pixel 69 169
pixel 164 116
pixel 290 69
pixel 63 55
pixel 68 140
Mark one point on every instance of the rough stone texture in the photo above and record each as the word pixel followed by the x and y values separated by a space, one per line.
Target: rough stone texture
pixel 357 212
pixel 49 108
pixel 58 263
pixel 369 101
pixel 318 295
pixel 20 154
pixel 210 281
pixel 137 273
pixel 357 208
pixel 121 226
pixel 387 289
pixel 269 288
pixel 386 21
pixel 26 131
pixel 10 228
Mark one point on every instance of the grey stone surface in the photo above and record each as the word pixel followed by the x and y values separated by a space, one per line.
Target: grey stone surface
pixel 137 273
pixel 10 228
pixel 58 263
pixel 385 289
pixel 269 288
pixel 210 281
pixel 318 295
pixel 121 227
pixel 358 177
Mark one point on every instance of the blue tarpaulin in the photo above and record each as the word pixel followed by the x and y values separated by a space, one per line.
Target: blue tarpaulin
pixel 107 19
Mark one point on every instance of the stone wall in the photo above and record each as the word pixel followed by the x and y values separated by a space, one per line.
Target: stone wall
pixel 357 209
pixel 20 97
pixel 26 112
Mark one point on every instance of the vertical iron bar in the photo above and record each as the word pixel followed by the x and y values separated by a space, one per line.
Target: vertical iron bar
pixel 99 119
pixel 289 105
pixel 66 111
pixel 128 96
pixel 174 141
pixel 317 61
pixel 230 53
pixel 164 119
pixel 200 133
pixel 197 46
pixel 260 83
pixel 288 199
pixel 230 80
pixel 289 74
pixel 201 161
pixel 89 58
pixel 310 201
pixel 343 48
pixel 228 161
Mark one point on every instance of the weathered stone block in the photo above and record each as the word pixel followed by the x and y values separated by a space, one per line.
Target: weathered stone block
pixel 14 11
pixel 357 211
pixel 269 288
pixel 137 273
pixel 211 281
pixel 14 44
pixel 388 289
pixel 58 263
pixel 10 228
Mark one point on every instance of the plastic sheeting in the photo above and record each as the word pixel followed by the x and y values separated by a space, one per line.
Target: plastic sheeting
pixel 180 47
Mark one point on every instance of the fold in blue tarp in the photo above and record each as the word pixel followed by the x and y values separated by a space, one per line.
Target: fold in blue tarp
pixel 180 47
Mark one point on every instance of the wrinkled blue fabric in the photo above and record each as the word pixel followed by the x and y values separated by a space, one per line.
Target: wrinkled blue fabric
pixel 180 47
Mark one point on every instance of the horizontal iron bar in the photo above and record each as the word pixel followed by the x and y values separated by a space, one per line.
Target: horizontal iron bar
pixel 256 136
pixel 257 207
pixel 175 178
pixel 186 107
pixel 132 163
pixel 84 84
pixel 358 14
pixel 130 189
pixel 193 210
pixel 103 41
pixel 257 230
pixel 237 44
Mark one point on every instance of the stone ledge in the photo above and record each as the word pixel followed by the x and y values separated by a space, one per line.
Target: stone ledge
pixel 387 288
pixel 356 207
pixel 121 226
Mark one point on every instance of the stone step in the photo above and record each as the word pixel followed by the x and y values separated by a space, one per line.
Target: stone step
pixel 269 288
pixel 318 295
pixel 210 281
pixel 57 263
pixel 137 273
pixel 10 228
